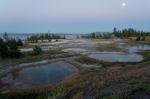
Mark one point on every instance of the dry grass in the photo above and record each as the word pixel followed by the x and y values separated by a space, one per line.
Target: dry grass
pixel 29 57
pixel 99 78
pixel 133 40
pixel 108 47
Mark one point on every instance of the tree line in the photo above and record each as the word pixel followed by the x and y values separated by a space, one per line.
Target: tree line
pixel 9 47
pixel 44 36
pixel 124 33
pixel 130 32
pixel 95 35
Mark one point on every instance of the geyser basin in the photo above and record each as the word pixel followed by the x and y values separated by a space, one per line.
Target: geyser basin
pixel 117 57
pixel 39 75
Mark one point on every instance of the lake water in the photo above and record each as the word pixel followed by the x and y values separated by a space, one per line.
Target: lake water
pixel 117 57
pixel 40 75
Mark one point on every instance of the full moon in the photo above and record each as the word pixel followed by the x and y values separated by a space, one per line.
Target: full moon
pixel 124 4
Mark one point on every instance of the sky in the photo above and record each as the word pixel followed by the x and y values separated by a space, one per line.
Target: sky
pixel 73 16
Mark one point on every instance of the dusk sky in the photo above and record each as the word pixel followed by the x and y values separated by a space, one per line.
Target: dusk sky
pixel 75 16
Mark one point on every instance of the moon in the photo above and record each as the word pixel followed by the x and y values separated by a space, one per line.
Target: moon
pixel 124 4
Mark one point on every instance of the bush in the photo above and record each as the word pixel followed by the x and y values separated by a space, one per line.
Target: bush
pixel 138 38
pixel 37 50
pixel 19 41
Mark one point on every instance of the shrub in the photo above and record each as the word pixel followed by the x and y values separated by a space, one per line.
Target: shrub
pixel 37 50
pixel 19 41
pixel 9 48
pixel 3 49
pixel 138 38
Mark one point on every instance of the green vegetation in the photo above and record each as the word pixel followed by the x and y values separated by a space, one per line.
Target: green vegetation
pixel 140 38
pixel 132 88
pixel 108 47
pixel 98 35
pixel 41 94
pixel 9 47
pixel 146 59
pixel 19 42
pixel 124 33
pixel 87 60
pixel 28 57
pixel 130 32
pixel 37 50
pixel 146 55
pixel 44 36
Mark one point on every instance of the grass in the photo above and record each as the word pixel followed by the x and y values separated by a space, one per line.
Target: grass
pixel 90 61
pixel 29 57
pixel 146 59
pixel 87 60
pixel 90 82
pixel 46 94
pixel 108 47
pixel 133 87
pixel 133 40
pixel 146 55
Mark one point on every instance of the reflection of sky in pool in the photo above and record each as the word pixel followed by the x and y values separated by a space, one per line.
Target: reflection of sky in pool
pixel 117 57
pixel 40 75
pixel 138 47
pixel 134 48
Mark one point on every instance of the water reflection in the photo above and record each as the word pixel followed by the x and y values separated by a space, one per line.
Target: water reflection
pixel 117 57
pixel 40 75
